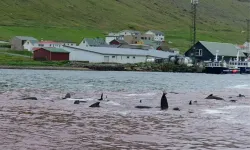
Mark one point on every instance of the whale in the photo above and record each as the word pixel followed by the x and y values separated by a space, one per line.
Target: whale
pixel 29 98
pixel 100 99
pixel 211 96
pixel 164 101
pixel 143 107
pixel 176 109
pixel 67 96
pixel 97 104
pixel 234 101
pixel 190 103
pixel 240 95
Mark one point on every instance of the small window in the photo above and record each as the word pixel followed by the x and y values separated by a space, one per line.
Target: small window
pixel 128 57
pixel 50 45
pixel 149 38
pixel 41 45
pixel 134 57
pixel 142 38
pixel 145 38
pixel 136 37
pixel 71 44
pixel 113 56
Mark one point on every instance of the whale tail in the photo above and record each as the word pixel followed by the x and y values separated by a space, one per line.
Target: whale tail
pixel 101 97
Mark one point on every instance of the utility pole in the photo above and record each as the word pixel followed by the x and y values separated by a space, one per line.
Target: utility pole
pixel 248 29
pixel 194 4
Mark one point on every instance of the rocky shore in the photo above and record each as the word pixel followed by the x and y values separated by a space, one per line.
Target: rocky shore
pixel 149 67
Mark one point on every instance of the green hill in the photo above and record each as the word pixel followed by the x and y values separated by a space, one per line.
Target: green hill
pixel 218 20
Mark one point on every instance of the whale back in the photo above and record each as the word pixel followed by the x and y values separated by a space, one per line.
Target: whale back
pixel 97 104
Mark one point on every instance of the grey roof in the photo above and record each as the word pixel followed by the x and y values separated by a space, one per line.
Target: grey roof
pixel 95 41
pixel 33 41
pixel 25 38
pixel 135 46
pixel 225 49
pixel 124 51
pixel 157 32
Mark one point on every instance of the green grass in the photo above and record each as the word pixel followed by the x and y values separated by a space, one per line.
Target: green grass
pixel 218 20
pixel 24 52
pixel 9 60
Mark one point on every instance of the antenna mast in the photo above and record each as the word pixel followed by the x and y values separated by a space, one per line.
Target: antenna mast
pixel 194 4
pixel 248 29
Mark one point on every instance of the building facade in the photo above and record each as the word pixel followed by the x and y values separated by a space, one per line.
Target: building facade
pixel 17 42
pixel 50 54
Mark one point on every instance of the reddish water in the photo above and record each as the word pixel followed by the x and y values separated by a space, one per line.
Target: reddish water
pixel 53 123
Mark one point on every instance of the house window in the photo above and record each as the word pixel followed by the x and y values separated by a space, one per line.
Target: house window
pixel 142 38
pixel 161 38
pixel 149 38
pixel 198 52
pixel 128 57
pixel 134 57
pixel 136 37
pixel 71 44
pixel 145 38
pixel 41 45
pixel 113 56
pixel 50 45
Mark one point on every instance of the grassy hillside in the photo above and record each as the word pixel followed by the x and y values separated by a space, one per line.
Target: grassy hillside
pixel 218 20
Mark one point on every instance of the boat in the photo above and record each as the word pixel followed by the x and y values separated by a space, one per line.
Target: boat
pixel 232 67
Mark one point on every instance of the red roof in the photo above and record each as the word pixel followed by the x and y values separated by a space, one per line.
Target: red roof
pixel 49 42
pixel 35 48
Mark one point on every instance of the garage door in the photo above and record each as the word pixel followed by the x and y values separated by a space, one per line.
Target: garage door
pixel 106 58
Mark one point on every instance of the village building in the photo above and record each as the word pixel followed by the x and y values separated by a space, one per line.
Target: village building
pixel 67 43
pixel 157 35
pixel 17 42
pixel 30 44
pixel 117 42
pixel 205 51
pixel 50 54
pixel 92 42
pixel 113 55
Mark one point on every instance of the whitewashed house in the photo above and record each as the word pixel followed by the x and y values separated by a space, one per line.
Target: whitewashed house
pixel 92 42
pixel 129 32
pixel 114 55
pixel 120 35
pixel 110 38
pixel 158 35
pixel 49 44
pixel 30 44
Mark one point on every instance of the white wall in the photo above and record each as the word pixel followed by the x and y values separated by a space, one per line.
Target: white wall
pixel 80 55
pixel 83 44
pixel 156 37
pixel 108 39
pixel 126 59
pixel 28 45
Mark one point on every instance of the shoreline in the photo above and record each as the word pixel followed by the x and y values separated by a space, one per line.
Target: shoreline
pixel 45 68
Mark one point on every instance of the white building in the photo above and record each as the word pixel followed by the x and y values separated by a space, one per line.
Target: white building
pixel 110 38
pixel 120 35
pixel 115 55
pixel 30 44
pixel 158 35
pixel 128 32
pixel 33 44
